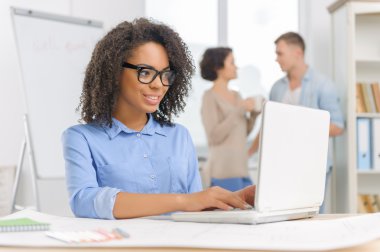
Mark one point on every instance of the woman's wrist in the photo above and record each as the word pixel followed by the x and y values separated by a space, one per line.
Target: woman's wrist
pixel 182 201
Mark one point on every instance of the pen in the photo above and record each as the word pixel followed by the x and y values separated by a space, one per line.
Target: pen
pixel 121 232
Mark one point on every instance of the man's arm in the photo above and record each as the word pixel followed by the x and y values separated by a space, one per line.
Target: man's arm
pixel 330 101
pixel 335 130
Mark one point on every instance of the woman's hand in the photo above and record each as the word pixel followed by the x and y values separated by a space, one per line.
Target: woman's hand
pixel 217 197
pixel 248 104
pixel 247 194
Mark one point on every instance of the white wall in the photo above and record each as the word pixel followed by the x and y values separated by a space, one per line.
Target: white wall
pixel 315 27
pixel 111 12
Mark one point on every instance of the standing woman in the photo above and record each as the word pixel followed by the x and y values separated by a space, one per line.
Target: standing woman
pixel 129 159
pixel 227 119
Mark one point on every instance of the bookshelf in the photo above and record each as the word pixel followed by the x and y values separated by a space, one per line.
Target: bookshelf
pixel 356 58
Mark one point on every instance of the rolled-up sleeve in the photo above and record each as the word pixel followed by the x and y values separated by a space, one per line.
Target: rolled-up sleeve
pixel 87 198
pixel 194 178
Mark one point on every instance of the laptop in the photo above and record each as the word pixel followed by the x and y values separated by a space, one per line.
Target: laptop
pixel 291 170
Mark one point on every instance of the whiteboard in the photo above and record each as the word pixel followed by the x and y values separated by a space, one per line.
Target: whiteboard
pixel 53 54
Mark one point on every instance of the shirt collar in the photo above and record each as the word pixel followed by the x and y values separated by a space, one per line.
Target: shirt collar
pixel 306 77
pixel 150 128
pixel 308 74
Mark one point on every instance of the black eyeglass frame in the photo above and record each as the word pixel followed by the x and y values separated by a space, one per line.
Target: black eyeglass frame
pixel 140 68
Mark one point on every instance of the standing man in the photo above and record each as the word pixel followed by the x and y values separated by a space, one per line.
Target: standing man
pixel 304 86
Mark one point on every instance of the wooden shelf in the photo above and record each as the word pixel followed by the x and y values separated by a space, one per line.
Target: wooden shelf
pixel 369 172
pixel 368 61
pixel 368 115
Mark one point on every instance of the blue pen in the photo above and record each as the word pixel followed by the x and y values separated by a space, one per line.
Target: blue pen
pixel 121 232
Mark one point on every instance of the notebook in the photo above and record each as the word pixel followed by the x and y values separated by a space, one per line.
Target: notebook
pixel 22 224
pixel 291 172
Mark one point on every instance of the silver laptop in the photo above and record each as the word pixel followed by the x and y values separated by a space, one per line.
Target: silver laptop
pixel 291 172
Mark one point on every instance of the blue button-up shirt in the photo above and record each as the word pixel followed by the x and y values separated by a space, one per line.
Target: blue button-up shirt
pixel 318 92
pixel 103 161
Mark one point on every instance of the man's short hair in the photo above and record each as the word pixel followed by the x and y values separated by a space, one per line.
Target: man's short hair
pixel 292 38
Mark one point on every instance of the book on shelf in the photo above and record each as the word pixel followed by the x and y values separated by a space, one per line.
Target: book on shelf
pixel 377 199
pixel 367 97
pixel 360 107
pixel 368 203
pixel 367 103
pixel 372 204
pixel 371 99
pixel 22 224
pixel 362 208
pixel 376 95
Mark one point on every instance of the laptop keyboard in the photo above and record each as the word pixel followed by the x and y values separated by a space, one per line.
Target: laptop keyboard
pixel 235 209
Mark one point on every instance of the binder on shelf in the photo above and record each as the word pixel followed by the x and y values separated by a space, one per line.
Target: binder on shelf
pixel 364 144
pixel 376 143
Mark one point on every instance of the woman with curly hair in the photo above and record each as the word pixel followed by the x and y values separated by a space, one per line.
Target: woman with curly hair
pixel 224 116
pixel 129 159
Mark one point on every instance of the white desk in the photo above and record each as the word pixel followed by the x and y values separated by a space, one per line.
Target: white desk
pixel 370 246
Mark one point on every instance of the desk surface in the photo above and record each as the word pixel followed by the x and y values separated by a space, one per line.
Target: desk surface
pixel 371 246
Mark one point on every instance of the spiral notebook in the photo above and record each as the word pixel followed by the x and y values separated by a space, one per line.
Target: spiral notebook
pixel 22 224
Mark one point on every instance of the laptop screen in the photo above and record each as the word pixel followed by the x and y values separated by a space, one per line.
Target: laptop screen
pixel 292 157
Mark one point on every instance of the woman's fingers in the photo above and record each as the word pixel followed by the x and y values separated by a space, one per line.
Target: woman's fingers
pixel 229 198
pixel 222 205
pixel 217 197
pixel 247 194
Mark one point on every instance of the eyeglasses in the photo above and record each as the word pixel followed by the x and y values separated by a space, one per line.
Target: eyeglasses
pixel 146 74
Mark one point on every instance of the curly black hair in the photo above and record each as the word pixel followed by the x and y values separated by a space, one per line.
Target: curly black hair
pixel 101 83
pixel 213 60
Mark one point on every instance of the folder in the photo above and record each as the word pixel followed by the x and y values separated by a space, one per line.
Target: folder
pixel 364 160
pixel 376 143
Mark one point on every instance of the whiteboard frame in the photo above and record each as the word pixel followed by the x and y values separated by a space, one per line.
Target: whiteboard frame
pixel 55 17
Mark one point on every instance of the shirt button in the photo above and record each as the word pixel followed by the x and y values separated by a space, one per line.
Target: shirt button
pixel 138 135
pixel 152 176
pixel 145 155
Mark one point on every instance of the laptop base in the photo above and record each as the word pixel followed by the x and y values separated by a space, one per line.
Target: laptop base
pixel 244 216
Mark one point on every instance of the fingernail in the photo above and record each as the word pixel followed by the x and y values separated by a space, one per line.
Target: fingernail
pixel 247 206
pixel 230 208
